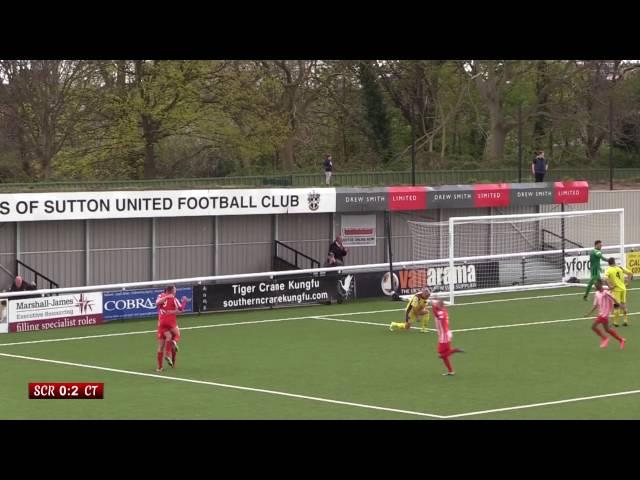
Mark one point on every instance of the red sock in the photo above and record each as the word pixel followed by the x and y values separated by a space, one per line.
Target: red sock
pixel 159 359
pixel 455 350
pixel 597 330
pixel 173 357
pixel 447 363
pixel 169 348
pixel 614 334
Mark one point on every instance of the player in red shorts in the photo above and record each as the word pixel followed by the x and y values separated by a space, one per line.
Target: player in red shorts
pixel 445 350
pixel 168 331
pixel 604 302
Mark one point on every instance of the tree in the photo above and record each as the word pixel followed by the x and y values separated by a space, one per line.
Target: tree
pixel 376 111
pixel 502 85
pixel 292 90
pixel 142 103
pixel 43 102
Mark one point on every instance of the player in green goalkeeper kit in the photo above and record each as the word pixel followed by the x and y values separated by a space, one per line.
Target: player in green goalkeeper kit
pixel 595 257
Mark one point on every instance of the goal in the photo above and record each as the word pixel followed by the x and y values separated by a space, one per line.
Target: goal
pixel 498 253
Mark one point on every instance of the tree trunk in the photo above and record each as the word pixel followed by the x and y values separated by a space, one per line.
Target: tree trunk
pixel 149 160
pixel 287 155
pixel 150 140
pixel 24 154
pixel 540 124
pixel 593 146
pixel 46 154
pixel 121 74
pixel 494 149
pixel 345 152
pixel 443 146
pixel 46 166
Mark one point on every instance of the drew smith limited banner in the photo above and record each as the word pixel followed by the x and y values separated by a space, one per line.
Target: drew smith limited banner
pixel 62 311
pixel 26 207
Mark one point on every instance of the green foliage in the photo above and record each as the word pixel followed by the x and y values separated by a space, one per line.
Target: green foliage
pixel 134 119
pixel 376 110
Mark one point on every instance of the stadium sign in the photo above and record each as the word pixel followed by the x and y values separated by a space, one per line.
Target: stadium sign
pixel 491 195
pixel 456 196
pixel 361 199
pixel 499 195
pixel 407 198
pixel 267 294
pixel 408 281
pixel 570 192
pixel 358 230
pixel 633 262
pixel 122 305
pixel 26 207
pixel 579 266
pixel 531 193
pixel 43 313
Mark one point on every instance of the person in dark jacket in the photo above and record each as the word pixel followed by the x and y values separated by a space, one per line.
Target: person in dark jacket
pixel 328 169
pixel 339 250
pixel 539 166
pixel 20 285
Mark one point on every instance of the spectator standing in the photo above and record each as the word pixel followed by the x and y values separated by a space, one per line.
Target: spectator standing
pixel 338 250
pixel 328 168
pixel 539 166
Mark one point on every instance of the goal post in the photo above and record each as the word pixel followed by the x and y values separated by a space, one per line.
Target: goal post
pixel 501 253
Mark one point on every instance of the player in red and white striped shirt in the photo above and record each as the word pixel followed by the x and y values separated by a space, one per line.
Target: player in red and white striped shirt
pixel 441 316
pixel 168 331
pixel 604 302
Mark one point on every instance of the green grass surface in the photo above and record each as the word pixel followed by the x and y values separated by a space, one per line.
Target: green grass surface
pixel 359 363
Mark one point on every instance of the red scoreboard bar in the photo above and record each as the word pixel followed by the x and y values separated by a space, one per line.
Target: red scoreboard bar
pixel 70 391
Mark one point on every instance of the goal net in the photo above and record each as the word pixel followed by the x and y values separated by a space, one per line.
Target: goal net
pixel 479 254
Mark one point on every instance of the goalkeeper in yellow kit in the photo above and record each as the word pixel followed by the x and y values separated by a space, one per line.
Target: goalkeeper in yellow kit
pixel 417 309
pixel 616 278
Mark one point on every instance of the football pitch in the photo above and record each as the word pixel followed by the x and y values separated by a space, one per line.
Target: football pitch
pixel 529 355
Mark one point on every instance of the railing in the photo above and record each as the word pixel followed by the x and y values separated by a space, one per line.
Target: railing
pixel 297 256
pixel 278 264
pixel 380 267
pixel 37 274
pixel 431 177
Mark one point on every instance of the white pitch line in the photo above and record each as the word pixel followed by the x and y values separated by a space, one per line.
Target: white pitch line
pixel 365 313
pixel 526 298
pixel 473 329
pixel 225 385
pixel 543 404
pixel 481 302
pixel 364 323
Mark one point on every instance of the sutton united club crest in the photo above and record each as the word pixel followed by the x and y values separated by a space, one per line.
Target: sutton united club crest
pixel 314 201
